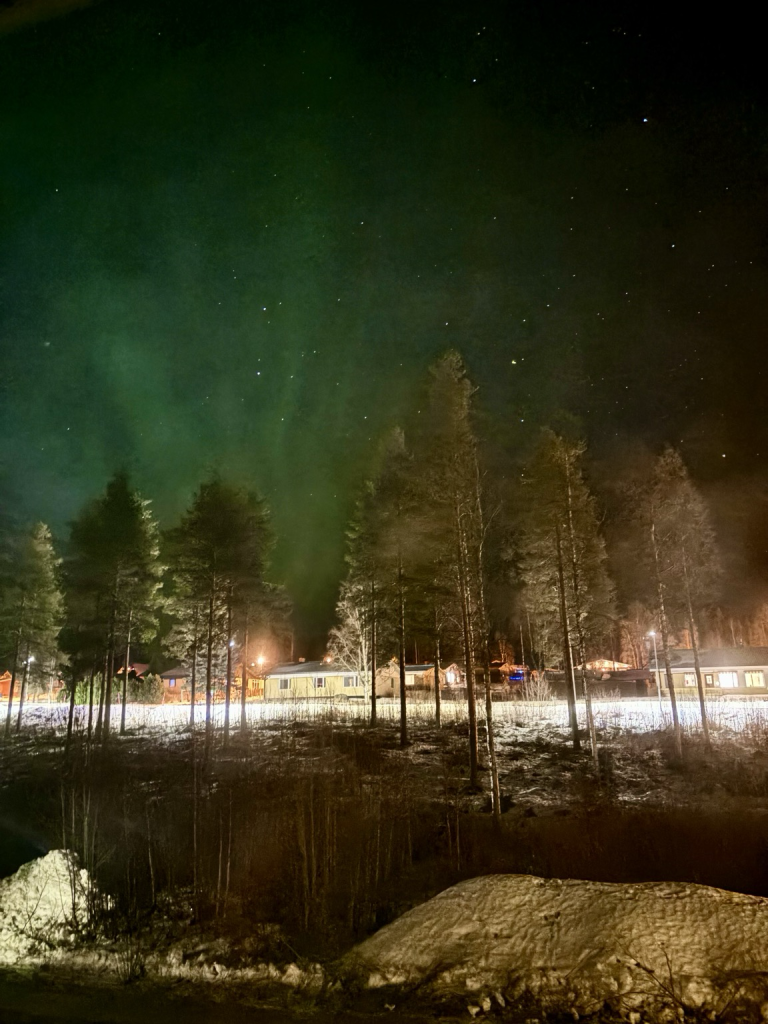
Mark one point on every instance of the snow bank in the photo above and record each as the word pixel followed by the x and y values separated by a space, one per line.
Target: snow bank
pixel 40 907
pixel 577 945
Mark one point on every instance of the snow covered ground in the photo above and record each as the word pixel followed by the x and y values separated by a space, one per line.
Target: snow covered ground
pixel 575 945
pixel 515 719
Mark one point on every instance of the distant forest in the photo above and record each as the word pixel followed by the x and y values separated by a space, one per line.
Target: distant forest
pixel 450 556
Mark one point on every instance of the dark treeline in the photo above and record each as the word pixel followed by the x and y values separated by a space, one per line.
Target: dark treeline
pixel 196 594
pixel 455 553
pixel 451 559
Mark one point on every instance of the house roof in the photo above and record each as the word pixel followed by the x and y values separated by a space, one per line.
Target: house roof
pixel 429 667
pixel 717 658
pixel 310 668
pixel 178 672
pixel 138 668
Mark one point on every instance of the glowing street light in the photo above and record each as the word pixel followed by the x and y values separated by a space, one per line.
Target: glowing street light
pixel 652 634
pixel 260 660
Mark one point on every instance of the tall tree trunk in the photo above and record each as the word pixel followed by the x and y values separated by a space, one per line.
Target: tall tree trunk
pixel 665 642
pixel 577 615
pixel 373 652
pixel 124 694
pixel 228 694
pixel 401 652
pixel 193 677
pixel 209 674
pixel 695 645
pixel 244 686
pixel 108 689
pixel 11 688
pixel 485 627
pixel 102 690
pixel 90 700
pixel 111 660
pixel 469 653
pixel 71 715
pixel 570 682
pixel 23 692
pixel 437 677
pixel 522 647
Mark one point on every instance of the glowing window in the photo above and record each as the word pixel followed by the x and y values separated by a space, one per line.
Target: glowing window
pixel 755 678
pixel 171 682
pixel 728 678
pixel 689 679
pixel 708 680
pixel 410 680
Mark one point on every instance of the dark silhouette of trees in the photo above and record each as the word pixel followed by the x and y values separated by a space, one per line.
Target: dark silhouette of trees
pixel 563 559
pixel 113 576
pixel 30 612
pixel 217 559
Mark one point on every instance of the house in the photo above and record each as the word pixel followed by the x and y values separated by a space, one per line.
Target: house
pixel 176 685
pixel 5 684
pixel 418 678
pixel 311 680
pixel 726 670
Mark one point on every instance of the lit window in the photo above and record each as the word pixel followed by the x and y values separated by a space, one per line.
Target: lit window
pixel 319 683
pixel 689 679
pixel 409 680
pixel 755 678
pixel 285 684
pixel 728 678
pixel 708 680
pixel 171 682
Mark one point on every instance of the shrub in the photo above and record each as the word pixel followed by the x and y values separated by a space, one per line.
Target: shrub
pixel 146 690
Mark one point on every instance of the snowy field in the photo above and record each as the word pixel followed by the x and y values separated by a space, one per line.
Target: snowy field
pixel 513 719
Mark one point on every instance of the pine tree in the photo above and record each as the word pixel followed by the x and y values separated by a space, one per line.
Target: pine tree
pixel 218 556
pixel 563 559
pixel 113 578
pixel 680 554
pixel 30 612
pixel 448 471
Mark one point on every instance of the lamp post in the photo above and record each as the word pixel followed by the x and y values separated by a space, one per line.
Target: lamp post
pixel 652 635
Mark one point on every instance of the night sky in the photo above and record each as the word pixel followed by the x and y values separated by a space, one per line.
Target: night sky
pixel 234 236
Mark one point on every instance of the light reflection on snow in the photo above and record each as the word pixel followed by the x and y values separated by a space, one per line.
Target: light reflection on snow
pixel 514 719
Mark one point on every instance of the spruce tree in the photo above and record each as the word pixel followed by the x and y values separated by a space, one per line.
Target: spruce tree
pixel 30 612
pixel 563 559
pixel 113 578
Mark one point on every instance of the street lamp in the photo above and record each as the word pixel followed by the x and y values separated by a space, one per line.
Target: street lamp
pixel 652 634
pixel 260 660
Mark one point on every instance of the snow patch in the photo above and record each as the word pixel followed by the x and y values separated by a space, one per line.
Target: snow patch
pixel 41 907
pixel 576 944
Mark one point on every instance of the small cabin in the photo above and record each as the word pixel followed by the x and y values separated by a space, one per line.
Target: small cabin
pixel 418 678
pixel 312 680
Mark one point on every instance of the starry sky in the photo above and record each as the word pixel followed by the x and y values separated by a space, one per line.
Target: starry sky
pixel 234 236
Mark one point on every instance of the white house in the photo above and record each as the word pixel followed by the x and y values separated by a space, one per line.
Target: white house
pixel 311 680
pixel 725 669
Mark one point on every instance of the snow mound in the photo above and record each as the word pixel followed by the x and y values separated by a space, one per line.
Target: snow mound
pixel 41 906
pixel 577 944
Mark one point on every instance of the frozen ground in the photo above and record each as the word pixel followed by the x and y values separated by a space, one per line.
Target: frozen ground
pixel 513 719
pixel 576 945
